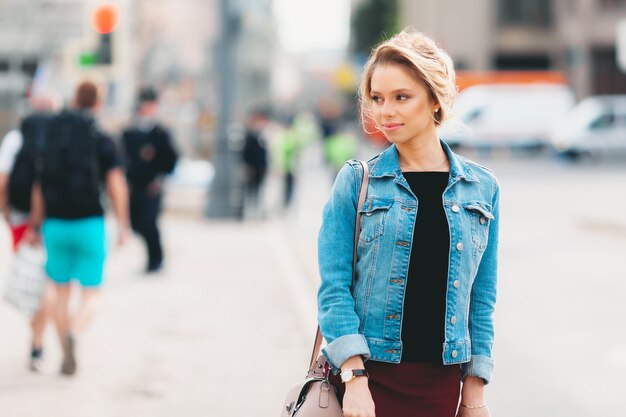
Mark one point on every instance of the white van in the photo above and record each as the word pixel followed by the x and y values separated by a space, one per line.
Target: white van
pixel 507 115
pixel 596 126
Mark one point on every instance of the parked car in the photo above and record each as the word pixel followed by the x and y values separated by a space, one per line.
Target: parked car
pixel 507 115
pixel 596 126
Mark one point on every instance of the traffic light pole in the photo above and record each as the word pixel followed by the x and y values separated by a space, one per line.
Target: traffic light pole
pixel 223 202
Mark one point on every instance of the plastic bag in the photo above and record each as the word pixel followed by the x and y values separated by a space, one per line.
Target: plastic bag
pixel 26 282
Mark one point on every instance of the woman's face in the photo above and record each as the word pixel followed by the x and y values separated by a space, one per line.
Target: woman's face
pixel 400 104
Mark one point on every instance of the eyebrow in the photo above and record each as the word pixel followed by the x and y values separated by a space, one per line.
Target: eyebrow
pixel 398 90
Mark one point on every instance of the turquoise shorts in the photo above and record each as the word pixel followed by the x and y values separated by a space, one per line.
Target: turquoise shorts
pixel 76 250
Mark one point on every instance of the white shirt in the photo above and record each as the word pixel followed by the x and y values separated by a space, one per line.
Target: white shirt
pixel 10 146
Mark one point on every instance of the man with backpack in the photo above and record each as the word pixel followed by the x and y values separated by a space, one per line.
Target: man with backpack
pixel 149 156
pixel 78 161
pixel 20 154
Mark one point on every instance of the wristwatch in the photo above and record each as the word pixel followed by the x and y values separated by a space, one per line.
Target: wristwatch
pixel 349 374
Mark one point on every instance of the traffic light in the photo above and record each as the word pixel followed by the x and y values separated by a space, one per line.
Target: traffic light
pixel 104 53
pixel 105 18
pixel 104 21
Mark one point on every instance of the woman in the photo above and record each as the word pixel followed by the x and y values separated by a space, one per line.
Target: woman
pixel 419 318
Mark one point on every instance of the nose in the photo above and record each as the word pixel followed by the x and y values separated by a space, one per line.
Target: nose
pixel 388 109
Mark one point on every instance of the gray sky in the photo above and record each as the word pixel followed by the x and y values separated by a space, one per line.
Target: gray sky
pixel 308 25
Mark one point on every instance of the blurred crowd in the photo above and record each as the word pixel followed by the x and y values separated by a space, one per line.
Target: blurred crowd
pixel 53 170
pixel 60 172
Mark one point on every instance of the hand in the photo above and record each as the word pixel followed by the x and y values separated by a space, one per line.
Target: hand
pixel 32 237
pixel 473 394
pixel 473 412
pixel 357 400
pixel 154 188
pixel 123 235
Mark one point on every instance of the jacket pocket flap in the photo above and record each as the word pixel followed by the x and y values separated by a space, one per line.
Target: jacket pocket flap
pixel 484 211
pixel 373 204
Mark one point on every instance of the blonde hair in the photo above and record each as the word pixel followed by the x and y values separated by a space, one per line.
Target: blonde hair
pixel 423 60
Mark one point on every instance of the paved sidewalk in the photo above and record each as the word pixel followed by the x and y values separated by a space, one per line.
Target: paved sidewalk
pixel 219 333
pixel 227 328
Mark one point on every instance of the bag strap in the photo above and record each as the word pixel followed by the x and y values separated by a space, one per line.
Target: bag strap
pixel 362 194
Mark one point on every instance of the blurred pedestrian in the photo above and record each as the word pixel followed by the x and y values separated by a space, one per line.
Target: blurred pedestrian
pixel 19 156
pixel 149 156
pixel 421 310
pixel 78 160
pixel 287 150
pixel 338 148
pixel 254 156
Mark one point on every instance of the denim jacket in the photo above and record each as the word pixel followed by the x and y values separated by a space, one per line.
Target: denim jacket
pixel 366 319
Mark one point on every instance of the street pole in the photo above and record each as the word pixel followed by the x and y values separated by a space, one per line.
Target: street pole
pixel 222 200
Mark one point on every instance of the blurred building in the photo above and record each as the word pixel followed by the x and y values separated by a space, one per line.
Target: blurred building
pixel 30 33
pixel 175 48
pixel 51 44
pixel 577 37
pixel 256 53
pixel 169 44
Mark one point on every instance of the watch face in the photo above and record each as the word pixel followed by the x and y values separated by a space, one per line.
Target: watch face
pixel 347 375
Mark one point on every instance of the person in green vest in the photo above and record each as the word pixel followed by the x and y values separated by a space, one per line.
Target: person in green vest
pixel 338 148
pixel 287 150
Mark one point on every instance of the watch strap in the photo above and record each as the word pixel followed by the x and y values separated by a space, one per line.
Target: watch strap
pixel 355 373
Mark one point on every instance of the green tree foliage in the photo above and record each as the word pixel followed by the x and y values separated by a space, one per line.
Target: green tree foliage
pixel 372 22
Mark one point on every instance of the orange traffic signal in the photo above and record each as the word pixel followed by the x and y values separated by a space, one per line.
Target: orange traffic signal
pixel 105 18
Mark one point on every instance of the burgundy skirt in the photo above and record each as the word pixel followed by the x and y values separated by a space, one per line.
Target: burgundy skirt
pixel 412 389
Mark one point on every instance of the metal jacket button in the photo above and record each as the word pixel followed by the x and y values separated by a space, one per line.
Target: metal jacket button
pixel 456 283
pixel 483 220
pixel 459 246
pixel 455 353
pixel 455 208
pixel 453 320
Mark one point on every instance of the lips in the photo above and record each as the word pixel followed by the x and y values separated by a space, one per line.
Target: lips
pixel 392 126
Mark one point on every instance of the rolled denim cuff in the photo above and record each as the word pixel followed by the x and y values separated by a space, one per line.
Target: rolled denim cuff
pixel 341 349
pixel 480 366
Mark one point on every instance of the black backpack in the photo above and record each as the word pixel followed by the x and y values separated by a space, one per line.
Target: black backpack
pixel 70 177
pixel 28 161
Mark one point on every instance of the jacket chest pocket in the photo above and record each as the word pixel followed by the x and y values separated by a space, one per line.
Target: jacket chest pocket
pixel 480 216
pixel 373 216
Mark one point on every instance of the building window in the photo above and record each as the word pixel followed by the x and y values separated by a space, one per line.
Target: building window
pixel 612 4
pixel 533 13
pixel 511 62
pixel 607 78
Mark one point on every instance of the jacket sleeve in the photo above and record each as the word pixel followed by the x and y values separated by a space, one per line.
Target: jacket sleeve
pixel 169 155
pixel 336 308
pixel 482 303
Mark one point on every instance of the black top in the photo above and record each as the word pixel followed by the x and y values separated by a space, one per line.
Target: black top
pixel 148 154
pixel 425 299
pixel 254 153
pixel 26 169
pixel 77 157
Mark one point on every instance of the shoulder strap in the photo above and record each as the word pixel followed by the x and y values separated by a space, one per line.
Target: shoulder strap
pixel 362 194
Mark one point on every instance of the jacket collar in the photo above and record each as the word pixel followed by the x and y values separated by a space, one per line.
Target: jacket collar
pixel 388 164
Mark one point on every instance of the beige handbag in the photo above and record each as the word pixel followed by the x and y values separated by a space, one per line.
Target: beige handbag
pixel 316 396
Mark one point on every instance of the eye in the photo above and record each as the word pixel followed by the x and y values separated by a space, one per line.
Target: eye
pixel 402 97
pixel 376 99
